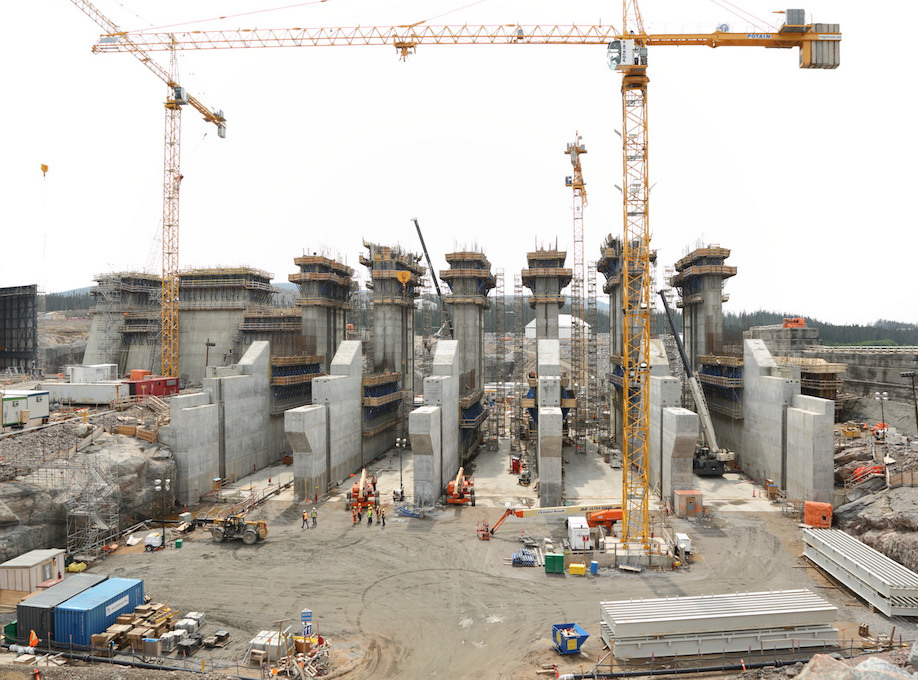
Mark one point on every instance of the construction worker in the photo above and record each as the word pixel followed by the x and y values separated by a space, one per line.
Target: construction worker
pixel 369 515
pixel 354 514
pixel 382 517
pixel 314 514
pixel 304 519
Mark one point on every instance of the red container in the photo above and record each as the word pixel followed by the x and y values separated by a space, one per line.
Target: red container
pixel 155 385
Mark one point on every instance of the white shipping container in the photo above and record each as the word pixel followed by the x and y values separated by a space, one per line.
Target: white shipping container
pixel 88 393
pixel 38 401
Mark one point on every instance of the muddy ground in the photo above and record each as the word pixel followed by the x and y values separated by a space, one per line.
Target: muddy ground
pixel 425 598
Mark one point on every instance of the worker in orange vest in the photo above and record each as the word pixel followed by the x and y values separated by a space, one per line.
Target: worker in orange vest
pixel 305 517
pixel 33 639
pixel 354 514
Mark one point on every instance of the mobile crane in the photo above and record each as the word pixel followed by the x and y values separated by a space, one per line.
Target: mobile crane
pixel 709 458
pixel 446 326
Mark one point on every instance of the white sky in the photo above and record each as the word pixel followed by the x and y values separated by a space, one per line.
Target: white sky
pixel 802 173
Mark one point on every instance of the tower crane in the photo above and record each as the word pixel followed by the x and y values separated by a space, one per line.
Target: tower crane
pixel 176 98
pixel 627 51
pixel 578 353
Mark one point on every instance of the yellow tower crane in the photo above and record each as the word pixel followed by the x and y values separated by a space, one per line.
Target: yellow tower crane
pixel 578 346
pixel 172 175
pixel 819 46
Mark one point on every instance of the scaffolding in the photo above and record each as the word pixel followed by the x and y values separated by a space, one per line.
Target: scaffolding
pixel 500 354
pixel 225 289
pixel 89 497
pixel 592 394
pixel 519 370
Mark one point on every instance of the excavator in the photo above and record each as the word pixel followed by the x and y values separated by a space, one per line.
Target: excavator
pixel 709 458
pixel 461 489
pixel 604 514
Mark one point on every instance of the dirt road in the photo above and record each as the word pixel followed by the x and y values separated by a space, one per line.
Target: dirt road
pixel 426 598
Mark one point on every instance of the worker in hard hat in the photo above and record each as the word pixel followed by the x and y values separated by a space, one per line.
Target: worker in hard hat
pixel 369 515
pixel 305 516
pixel 314 515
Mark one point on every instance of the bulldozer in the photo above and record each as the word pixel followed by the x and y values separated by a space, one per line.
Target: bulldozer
pixel 236 526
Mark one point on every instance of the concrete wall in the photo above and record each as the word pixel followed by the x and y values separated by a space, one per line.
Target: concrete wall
pixel 103 346
pixel 193 435
pixel 323 330
pixel 246 402
pixel 342 393
pixel 868 373
pixel 306 431
pixel 810 449
pixel 665 392
pixel 326 437
pixel 224 430
pixel 425 431
pixel 195 328
pixel 767 393
pixel 679 437
pixel 548 453
pixel 787 437
pixel 446 365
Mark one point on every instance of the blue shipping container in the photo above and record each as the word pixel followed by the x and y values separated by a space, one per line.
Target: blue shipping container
pixel 94 610
pixel 37 612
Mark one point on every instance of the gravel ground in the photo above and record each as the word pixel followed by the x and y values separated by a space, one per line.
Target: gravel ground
pixel 426 598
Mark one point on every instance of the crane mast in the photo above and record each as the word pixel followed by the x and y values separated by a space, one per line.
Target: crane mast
pixel 176 98
pixel 578 346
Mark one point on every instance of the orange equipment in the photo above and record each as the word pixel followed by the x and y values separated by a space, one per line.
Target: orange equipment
pixel 604 518
pixel 558 510
pixel 363 493
pixel 794 322
pixel 818 515
pixel 461 489
pixel 484 531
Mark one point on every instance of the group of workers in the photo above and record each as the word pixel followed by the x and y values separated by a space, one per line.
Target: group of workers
pixel 357 514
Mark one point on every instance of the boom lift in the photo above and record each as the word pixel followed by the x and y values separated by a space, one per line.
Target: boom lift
pixel 363 493
pixel 709 458
pixel 461 489
pixel 602 514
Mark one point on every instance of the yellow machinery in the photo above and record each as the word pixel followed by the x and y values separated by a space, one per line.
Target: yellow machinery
pixel 627 52
pixel 236 526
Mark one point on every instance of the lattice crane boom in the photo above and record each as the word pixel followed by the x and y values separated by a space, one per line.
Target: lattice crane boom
pixel 172 176
pixel 406 38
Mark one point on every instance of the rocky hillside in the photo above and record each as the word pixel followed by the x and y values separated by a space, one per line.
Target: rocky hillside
pixel 44 470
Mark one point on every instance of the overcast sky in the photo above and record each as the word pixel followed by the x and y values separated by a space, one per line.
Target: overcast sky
pixel 806 175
